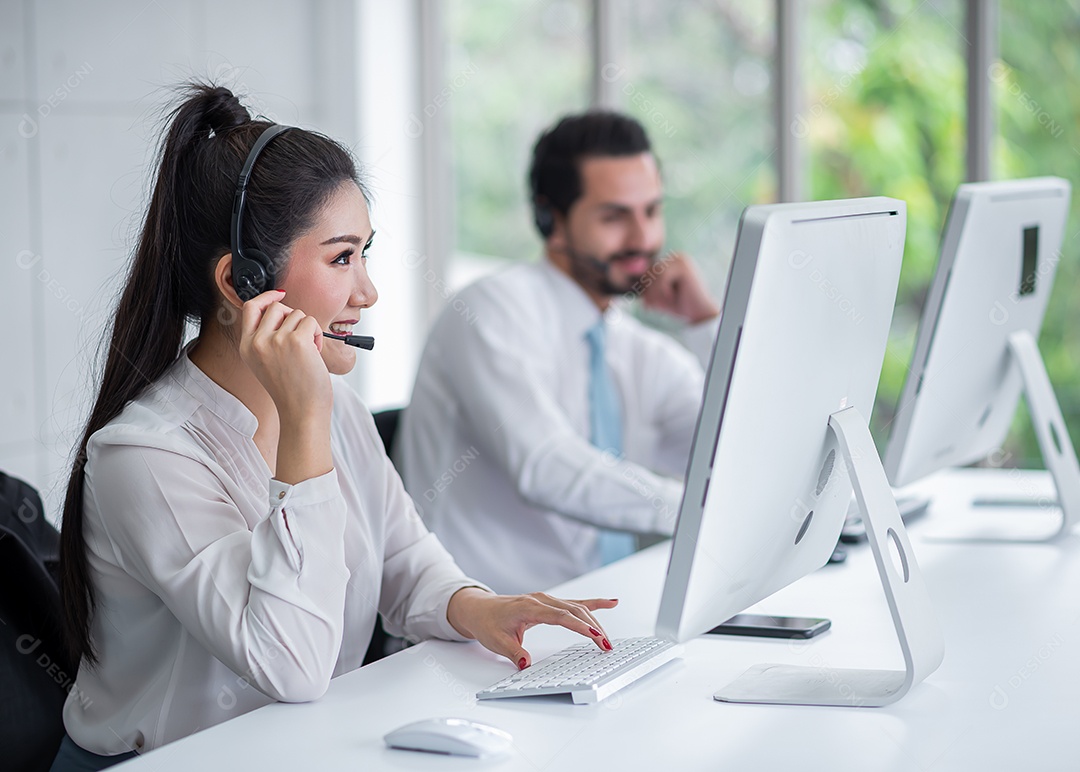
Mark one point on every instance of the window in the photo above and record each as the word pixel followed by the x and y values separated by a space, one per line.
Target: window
pixel 884 115
pixel 884 112
pixel 698 75
pixel 514 67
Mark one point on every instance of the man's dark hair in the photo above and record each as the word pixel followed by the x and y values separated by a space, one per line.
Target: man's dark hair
pixel 555 172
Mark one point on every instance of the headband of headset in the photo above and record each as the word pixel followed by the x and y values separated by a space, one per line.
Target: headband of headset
pixel 252 270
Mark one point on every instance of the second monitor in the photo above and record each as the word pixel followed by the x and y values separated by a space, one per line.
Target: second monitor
pixel 976 350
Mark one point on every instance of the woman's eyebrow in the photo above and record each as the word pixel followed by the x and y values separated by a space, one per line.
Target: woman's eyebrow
pixel 348 239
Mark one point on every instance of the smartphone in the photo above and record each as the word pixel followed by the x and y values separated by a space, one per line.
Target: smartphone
pixel 854 530
pixel 772 627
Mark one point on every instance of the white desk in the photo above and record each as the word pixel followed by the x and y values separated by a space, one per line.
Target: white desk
pixel 1006 697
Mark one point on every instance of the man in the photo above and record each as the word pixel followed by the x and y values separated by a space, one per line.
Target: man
pixel 546 424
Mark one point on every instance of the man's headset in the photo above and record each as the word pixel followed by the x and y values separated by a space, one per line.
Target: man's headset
pixel 543 214
pixel 252 269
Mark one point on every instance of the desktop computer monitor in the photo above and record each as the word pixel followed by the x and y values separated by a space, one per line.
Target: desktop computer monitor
pixel 976 347
pixel 781 439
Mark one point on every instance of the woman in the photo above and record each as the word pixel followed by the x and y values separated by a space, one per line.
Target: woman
pixel 232 525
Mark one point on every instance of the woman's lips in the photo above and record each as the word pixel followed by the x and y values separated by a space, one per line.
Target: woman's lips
pixel 345 326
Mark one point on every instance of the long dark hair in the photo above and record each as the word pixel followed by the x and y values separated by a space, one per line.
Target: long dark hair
pixel 170 282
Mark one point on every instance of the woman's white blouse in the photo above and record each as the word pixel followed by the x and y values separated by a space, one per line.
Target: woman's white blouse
pixel 219 589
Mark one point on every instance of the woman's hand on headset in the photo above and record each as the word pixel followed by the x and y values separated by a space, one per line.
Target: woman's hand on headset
pixel 282 346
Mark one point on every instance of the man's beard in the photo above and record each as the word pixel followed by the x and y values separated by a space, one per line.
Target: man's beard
pixel 595 274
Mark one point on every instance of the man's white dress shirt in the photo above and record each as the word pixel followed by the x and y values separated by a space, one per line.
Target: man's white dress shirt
pixel 494 445
pixel 219 589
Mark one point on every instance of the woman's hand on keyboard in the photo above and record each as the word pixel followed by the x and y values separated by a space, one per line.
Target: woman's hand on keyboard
pixel 499 622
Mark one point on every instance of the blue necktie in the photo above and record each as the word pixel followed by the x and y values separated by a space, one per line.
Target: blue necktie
pixel 605 426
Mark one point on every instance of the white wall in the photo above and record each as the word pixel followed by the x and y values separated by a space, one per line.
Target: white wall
pixel 387 36
pixel 81 87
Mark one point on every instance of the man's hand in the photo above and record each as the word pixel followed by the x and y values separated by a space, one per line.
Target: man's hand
pixel 673 285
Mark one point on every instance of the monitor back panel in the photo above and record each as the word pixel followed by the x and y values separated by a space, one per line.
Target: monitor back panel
pixel 806 319
pixel 999 256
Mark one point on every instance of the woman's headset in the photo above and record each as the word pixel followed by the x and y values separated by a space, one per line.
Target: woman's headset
pixel 252 270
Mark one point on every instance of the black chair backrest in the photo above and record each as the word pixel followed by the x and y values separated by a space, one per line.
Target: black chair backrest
pixel 386 421
pixel 34 671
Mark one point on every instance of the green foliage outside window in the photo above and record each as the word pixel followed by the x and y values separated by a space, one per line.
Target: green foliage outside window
pixel 1037 91
pixel 885 116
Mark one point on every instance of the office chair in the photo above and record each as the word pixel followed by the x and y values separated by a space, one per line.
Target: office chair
pixel 386 422
pixel 34 670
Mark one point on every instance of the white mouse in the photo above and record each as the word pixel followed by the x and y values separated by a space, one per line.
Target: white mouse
pixel 456 736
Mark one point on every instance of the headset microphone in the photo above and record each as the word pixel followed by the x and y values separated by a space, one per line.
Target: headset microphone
pixel 360 341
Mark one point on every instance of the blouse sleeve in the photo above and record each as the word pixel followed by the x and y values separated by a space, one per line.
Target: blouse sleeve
pixel 269 601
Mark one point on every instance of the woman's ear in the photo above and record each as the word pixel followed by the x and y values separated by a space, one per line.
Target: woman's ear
pixel 224 281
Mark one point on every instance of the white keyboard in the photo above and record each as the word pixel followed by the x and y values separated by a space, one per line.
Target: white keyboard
pixel 585 672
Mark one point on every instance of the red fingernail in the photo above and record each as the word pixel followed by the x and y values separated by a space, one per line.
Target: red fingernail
pixel 594 631
pixel 613 600
pixel 607 644
pixel 521 664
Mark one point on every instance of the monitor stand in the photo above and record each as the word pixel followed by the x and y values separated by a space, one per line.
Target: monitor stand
pixel 917 628
pixel 1058 455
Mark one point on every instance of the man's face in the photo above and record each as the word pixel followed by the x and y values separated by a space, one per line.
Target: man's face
pixel 613 233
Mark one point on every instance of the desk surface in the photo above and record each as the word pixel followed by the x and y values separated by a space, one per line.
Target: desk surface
pixel 1002 699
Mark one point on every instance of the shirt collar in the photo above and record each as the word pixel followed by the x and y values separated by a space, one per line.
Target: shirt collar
pixel 187 376
pixel 577 311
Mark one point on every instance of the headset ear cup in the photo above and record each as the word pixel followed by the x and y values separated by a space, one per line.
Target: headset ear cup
pixel 545 222
pixel 246 284
pixel 266 269
pixel 251 276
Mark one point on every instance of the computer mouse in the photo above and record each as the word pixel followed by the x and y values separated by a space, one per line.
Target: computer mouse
pixel 451 736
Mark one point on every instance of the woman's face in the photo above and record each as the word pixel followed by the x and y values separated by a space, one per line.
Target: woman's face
pixel 327 274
